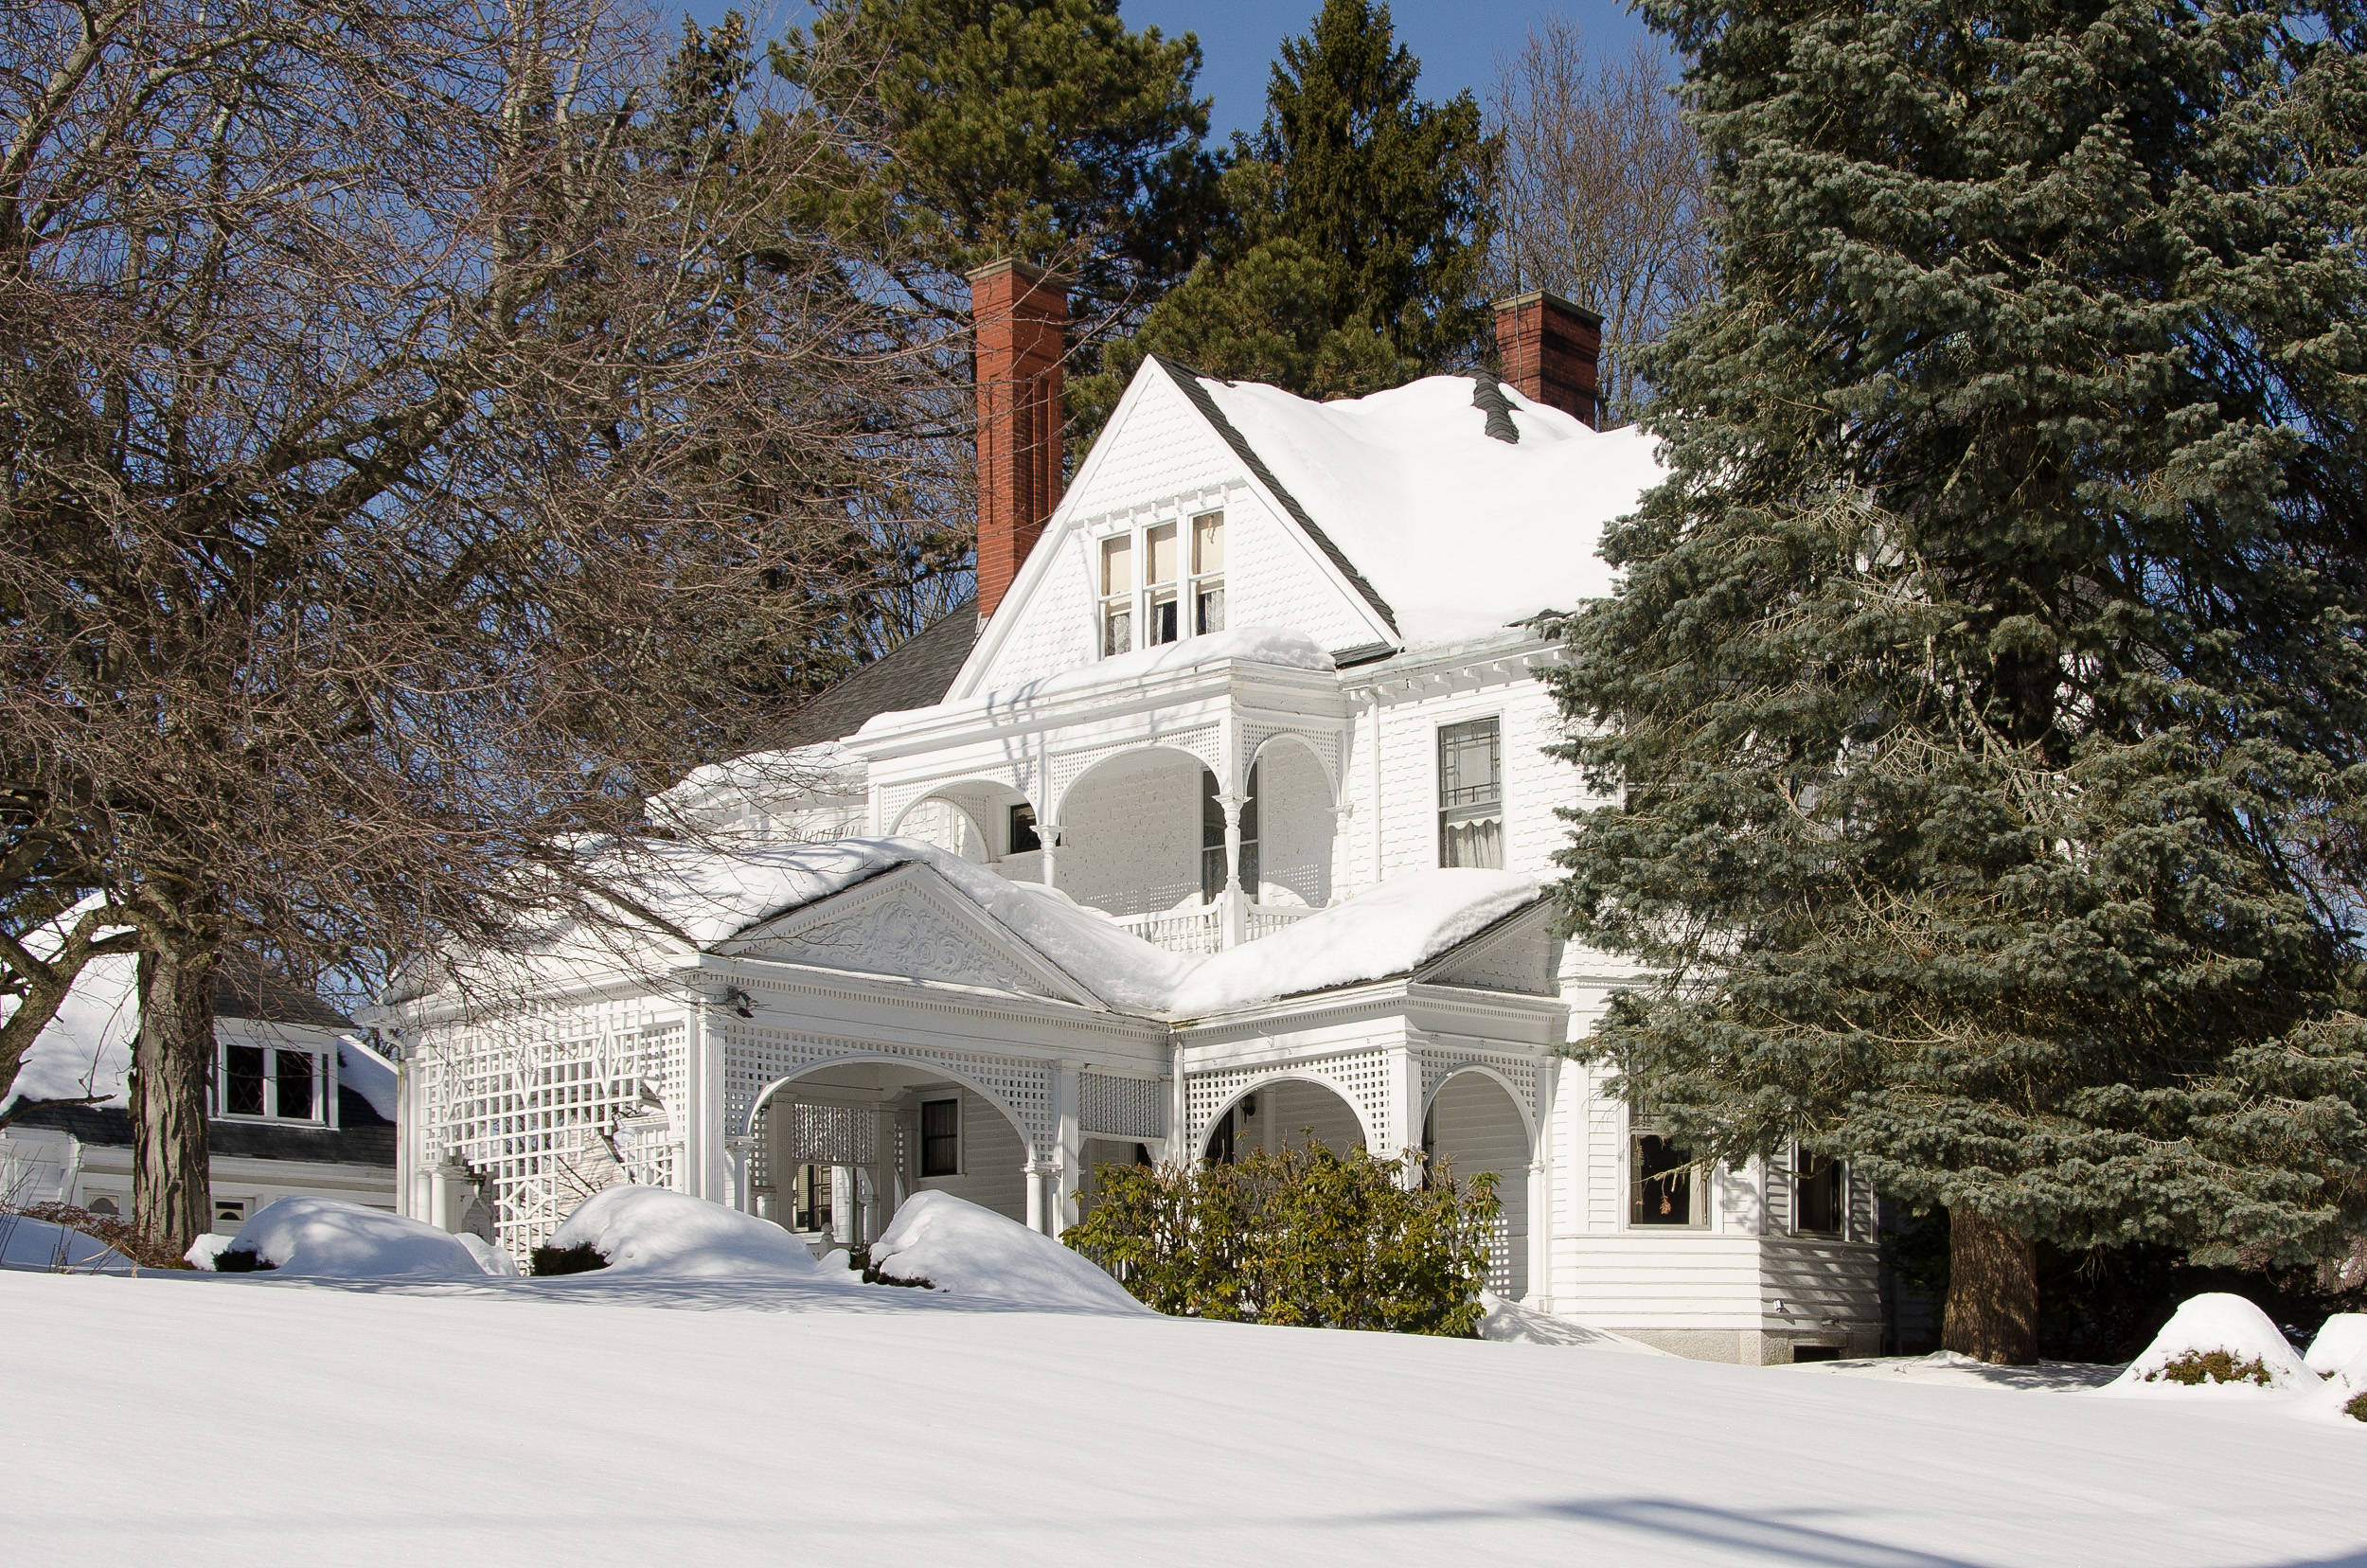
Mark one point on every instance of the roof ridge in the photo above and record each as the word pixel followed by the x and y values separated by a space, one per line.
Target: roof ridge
pixel 1188 380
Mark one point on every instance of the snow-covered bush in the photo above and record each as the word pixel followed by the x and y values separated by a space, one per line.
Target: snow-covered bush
pixel 651 1231
pixel 1299 1236
pixel 940 1241
pixel 332 1239
pixel 2218 1340
pixel 546 1262
pixel 2341 1339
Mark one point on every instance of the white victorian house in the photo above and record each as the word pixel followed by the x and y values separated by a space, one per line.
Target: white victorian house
pixel 1226 814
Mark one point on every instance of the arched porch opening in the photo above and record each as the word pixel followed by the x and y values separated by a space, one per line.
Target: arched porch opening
pixel 836 1150
pixel 1472 1124
pixel 1297 824
pixel 1280 1113
pixel 980 820
pixel 1130 838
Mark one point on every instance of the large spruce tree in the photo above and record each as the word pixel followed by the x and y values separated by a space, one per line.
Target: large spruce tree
pixel 1981 719
pixel 1353 250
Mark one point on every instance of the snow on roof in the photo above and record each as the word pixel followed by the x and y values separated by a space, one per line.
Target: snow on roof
pixel 86 1049
pixel 1460 533
pixel 1391 929
pixel 709 895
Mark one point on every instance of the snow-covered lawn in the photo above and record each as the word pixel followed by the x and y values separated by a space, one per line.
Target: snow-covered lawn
pixel 197 1418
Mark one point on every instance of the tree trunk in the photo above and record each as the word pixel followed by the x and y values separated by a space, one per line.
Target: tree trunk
pixel 1992 1311
pixel 172 1060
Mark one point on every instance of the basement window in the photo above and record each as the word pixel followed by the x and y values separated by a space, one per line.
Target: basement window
pixel 1816 1193
pixel 941 1137
pixel 1664 1187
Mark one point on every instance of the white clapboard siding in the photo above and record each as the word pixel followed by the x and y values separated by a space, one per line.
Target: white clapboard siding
pixel 1668 1279
pixel 993 1159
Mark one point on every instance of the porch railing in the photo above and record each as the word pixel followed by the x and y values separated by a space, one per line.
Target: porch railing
pixel 1203 930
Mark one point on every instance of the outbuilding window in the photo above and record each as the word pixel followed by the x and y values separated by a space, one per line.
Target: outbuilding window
pixel 1472 794
pixel 273 1081
pixel 941 1137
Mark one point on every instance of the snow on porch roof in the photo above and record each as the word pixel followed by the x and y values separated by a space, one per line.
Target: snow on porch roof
pixel 1451 532
pixel 1388 930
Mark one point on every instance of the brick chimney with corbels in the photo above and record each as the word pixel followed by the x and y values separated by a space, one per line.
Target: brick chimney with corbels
pixel 1551 350
pixel 1019 316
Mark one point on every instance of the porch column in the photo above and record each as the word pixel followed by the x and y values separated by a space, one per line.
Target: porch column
pixel 843 1199
pixel 1236 913
pixel 1068 1159
pixel 1405 1107
pixel 1034 1173
pixel 741 1153
pixel 1048 835
pixel 1543 1152
pixel 440 1194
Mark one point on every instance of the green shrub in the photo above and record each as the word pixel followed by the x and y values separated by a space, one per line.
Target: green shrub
pixel 2201 1366
pixel 1306 1237
pixel 2356 1407
pixel 241 1261
pixel 580 1259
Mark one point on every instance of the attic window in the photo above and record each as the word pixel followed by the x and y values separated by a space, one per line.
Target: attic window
pixel 269 1081
pixel 1164 610
pixel 1208 572
pixel 1117 595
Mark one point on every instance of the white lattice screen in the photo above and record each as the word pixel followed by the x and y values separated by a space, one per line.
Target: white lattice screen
pixel 1360 1077
pixel 1518 1073
pixel 1121 1106
pixel 546 1108
pixel 754 1059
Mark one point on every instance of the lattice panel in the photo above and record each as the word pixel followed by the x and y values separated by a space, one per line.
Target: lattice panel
pixel 1068 767
pixel 1441 1063
pixel 754 1059
pixel 1360 1077
pixel 824 1134
pixel 1326 746
pixel 1121 1106
pixel 550 1105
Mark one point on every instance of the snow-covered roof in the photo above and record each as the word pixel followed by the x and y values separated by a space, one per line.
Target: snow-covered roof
pixel 710 894
pixel 1392 929
pixel 1457 533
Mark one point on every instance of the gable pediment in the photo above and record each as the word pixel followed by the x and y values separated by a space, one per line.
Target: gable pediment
pixel 1514 954
pixel 908 924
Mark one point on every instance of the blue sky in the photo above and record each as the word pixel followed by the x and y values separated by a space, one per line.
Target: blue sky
pixel 1458 42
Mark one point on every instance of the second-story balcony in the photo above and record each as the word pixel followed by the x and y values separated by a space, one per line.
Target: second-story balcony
pixel 1200 929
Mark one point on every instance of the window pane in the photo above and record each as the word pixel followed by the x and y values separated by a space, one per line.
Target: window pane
pixel 1208 542
pixel 1024 836
pixel 294 1071
pixel 1117 565
pixel 1661 1183
pixel 1118 630
pixel 1162 627
pixel 243 1080
pixel 1161 542
pixel 1211 607
pixel 940 1137
pixel 1470 764
pixel 1816 1193
pixel 1477 841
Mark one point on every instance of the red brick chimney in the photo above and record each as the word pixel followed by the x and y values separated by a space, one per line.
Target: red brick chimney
pixel 1019 314
pixel 1550 349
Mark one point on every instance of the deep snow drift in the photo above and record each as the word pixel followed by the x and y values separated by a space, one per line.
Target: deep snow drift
pixel 967 1251
pixel 510 1421
pixel 2340 1340
pixel 341 1240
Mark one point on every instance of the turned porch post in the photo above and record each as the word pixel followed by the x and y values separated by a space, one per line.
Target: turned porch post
pixel 740 1156
pixel 1235 913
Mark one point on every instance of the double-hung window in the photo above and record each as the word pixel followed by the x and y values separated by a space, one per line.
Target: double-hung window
pixel 941 1137
pixel 1162 583
pixel 1208 572
pixel 1817 1193
pixel 1664 1187
pixel 273 1081
pixel 1472 794
pixel 1117 595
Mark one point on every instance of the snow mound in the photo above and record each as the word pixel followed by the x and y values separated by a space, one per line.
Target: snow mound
pixel 488 1258
pixel 42 1245
pixel 971 1252
pixel 2341 1341
pixel 1510 1323
pixel 205 1249
pixel 1386 929
pixel 651 1231
pixel 2215 1323
pixel 333 1239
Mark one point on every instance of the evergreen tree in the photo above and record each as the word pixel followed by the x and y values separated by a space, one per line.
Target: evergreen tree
pixel 1353 251
pixel 1044 129
pixel 1981 716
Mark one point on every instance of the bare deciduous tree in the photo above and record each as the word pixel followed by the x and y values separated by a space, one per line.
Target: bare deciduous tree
pixel 424 425
pixel 1602 196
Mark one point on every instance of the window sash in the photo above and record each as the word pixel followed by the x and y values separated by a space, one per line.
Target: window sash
pixel 941 1137
pixel 1666 1190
